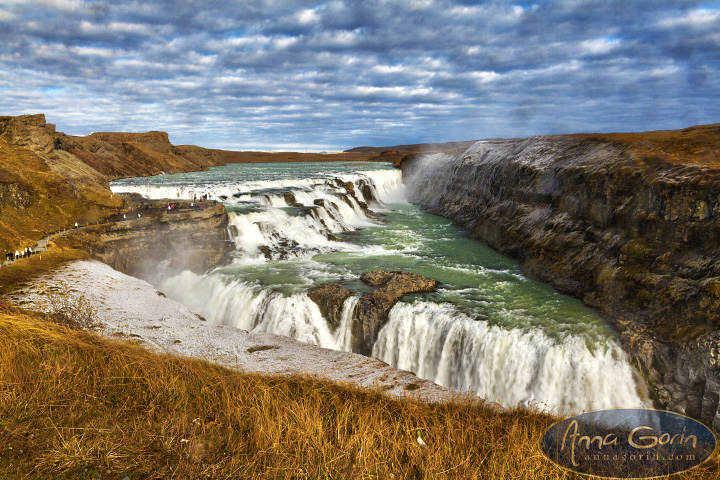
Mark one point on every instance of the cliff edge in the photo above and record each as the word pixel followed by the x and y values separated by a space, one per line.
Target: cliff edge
pixel 629 223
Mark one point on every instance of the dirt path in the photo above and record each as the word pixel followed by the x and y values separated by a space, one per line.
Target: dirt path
pixel 42 244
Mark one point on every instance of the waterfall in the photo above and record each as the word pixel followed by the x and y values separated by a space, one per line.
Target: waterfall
pixel 299 231
pixel 343 335
pixel 507 366
pixel 241 305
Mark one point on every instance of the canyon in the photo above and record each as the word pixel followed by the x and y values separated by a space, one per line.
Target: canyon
pixel 629 227
pixel 628 223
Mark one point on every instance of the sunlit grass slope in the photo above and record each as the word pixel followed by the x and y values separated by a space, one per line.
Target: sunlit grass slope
pixel 74 405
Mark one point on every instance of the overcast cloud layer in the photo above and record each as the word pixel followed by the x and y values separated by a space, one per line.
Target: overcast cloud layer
pixel 284 74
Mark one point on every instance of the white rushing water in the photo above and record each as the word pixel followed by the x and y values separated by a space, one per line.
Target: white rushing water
pixel 489 329
pixel 507 366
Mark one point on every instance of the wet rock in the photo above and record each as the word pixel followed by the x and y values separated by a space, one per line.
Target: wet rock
pixel 266 251
pixel 367 192
pixel 291 200
pixel 330 299
pixel 372 308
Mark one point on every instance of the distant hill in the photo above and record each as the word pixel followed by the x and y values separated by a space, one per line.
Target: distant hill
pixel 417 147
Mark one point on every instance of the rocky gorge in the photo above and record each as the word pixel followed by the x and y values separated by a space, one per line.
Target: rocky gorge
pixel 629 224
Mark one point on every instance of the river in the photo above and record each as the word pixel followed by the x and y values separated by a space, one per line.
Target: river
pixel 488 328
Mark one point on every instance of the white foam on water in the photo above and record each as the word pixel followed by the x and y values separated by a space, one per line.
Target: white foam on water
pixel 508 366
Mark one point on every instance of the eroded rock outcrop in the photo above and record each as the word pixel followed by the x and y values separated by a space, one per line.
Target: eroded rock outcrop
pixel 330 298
pixel 161 243
pixel 372 309
pixel 636 236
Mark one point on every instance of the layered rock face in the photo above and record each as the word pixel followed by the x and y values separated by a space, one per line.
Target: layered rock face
pixel 161 243
pixel 635 236
pixel 372 309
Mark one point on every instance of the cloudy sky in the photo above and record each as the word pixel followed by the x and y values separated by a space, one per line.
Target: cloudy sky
pixel 331 75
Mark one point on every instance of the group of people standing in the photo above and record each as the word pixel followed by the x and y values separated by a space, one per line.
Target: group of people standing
pixel 28 251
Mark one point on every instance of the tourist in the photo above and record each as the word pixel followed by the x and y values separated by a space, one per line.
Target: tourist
pixel 17 255
pixel 76 225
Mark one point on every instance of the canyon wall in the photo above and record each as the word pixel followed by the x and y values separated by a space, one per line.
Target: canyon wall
pixel 627 225
pixel 158 243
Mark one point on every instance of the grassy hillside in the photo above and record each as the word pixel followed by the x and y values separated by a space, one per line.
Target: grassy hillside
pixel 73 405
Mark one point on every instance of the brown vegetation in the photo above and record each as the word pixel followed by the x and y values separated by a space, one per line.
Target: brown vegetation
pixel 697 145
pixel 74 405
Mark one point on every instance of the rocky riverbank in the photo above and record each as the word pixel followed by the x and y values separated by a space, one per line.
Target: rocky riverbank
pixel 634 232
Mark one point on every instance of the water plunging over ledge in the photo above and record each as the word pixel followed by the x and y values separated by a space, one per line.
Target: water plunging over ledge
pixel 488 328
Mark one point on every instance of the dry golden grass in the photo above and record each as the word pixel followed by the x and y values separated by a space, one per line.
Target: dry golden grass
pixel 74 405
pixel 699 145
pixel 55 203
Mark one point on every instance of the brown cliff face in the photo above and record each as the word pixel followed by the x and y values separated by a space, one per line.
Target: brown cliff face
pixel 372 309
pixel 161 243
pixel 632 234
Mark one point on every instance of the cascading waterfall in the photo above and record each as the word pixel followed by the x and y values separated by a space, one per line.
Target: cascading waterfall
pixel 298 226
pixel 507 366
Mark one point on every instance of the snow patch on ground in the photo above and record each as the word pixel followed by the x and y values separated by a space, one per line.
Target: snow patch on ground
pixel 132 308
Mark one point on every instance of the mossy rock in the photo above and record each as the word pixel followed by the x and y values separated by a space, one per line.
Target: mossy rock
pixel 711 287
pixel 636 251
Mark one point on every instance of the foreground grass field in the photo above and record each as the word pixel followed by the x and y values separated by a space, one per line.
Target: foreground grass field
pixel 74 405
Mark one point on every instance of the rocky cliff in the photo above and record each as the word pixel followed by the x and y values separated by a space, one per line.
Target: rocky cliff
pixel 628 223
pixel 151 242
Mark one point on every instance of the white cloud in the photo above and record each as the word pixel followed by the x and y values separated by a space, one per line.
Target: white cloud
pixel 393 69
pixel 599 46
pixel 92 51
pixel 693 19
pixel 307 17
pixel 485 77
